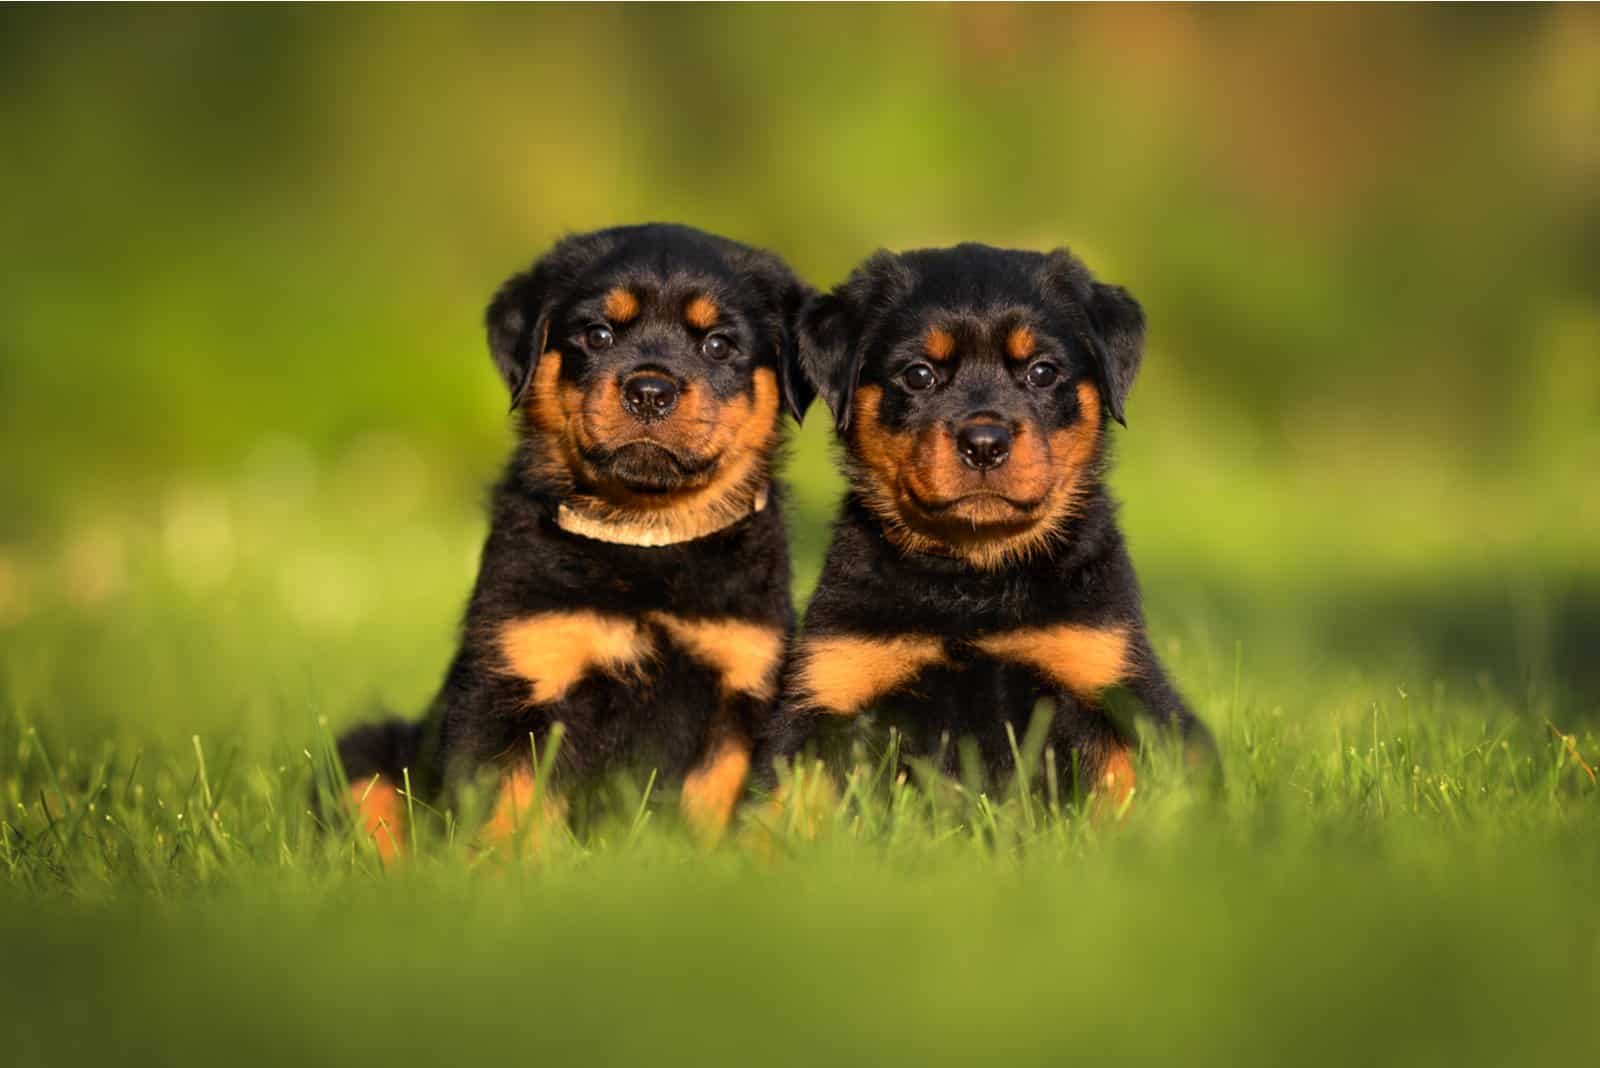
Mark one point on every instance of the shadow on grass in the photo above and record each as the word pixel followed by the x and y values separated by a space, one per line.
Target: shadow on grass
pixel 1532 644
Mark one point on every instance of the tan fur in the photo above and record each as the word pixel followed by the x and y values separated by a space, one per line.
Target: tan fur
pixel 740 434
pixel 553 650
pixel 1117 778
pixel 1081 660
pixel 938 343
pixel 621 306
pixel 843 674
pixel 381 812
pixel 900 473
pixel 1020 343
pixel 701 313
pixel 514 815
pixel 711 790
pixel 744 655
pixel 800 808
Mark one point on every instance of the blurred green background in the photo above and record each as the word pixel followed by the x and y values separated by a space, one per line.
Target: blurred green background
pixel 247 252
pixel 248 420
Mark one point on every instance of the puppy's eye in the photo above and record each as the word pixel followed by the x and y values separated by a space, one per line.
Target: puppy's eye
pixel 599 337
pixel 1042 375
pixel 716 347
pixel 918 377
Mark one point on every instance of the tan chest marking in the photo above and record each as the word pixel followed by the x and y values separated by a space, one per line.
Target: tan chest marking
pixel 554 650
pixel 1081 660
pixel 710 791
pixel 744 655
pixel 842 674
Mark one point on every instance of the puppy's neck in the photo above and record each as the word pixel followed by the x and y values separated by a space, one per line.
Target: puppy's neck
pixel 592 518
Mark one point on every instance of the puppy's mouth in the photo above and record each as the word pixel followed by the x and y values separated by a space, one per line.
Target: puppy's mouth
pixel 649 467
pixel 979 509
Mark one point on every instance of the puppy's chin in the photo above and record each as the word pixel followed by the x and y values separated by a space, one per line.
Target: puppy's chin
pixel 650 469
pixel 973 521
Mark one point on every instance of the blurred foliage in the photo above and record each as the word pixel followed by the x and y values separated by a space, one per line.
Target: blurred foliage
pixel 248 251
pixel 1347 224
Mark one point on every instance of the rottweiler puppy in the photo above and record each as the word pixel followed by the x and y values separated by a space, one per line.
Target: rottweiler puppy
pixel 976 566
pixel 634 585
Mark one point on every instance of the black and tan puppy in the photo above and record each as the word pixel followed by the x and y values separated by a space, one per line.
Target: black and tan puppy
pixel 976 566
pixel 634 586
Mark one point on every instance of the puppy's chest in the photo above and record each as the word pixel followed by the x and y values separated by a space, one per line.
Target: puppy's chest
pixel 843 673
pixel 555 651
pixel 638 626
pixel 963 694
pixel 989 644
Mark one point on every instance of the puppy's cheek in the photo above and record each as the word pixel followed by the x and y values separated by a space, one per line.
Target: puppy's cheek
pixel 545 410
pixel 555 412
pixel 1073 449
pixel 603 422
pixel 884 454
pixel 745 428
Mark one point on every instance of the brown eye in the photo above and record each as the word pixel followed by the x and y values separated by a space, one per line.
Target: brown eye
pixel 918 377
pixel 1042 375
pixel 599 337
pixel 716 347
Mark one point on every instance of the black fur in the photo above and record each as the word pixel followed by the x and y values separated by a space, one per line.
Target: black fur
pixel 875 585
pixel 662 711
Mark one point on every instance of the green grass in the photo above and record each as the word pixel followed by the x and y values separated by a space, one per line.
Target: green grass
pixel 1402 867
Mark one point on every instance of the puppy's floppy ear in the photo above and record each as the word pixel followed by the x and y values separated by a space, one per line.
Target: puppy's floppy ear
pixel 829 362
pixel 785 295
pixel 1118 324
pixel 1115 326
pixel 834 328
pixel 792 382
pixel 518 324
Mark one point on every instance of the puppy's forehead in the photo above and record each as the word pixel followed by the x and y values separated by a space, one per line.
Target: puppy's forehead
pixel 977 297
pixel 701 298
pixel 975 276
pixel 1012 331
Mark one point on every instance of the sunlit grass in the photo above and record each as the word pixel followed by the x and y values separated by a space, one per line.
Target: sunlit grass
pixel 1405 852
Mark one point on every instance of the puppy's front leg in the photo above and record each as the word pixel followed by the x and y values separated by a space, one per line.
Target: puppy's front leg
pixel 744 656
pixel 712 789
pixel 832 676
pixel 524 809
pixel 1084 660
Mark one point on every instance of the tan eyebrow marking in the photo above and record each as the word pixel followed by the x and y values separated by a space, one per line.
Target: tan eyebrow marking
pixel 701 313
pixel 620 305
pixel 1020 343
pixel 938 343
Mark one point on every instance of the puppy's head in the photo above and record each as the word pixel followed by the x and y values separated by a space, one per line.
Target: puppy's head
pixel 649 362
pixel 970 386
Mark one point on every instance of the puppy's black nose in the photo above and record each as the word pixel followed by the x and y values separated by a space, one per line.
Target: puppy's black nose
pixel 649 396
pixel 983 445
